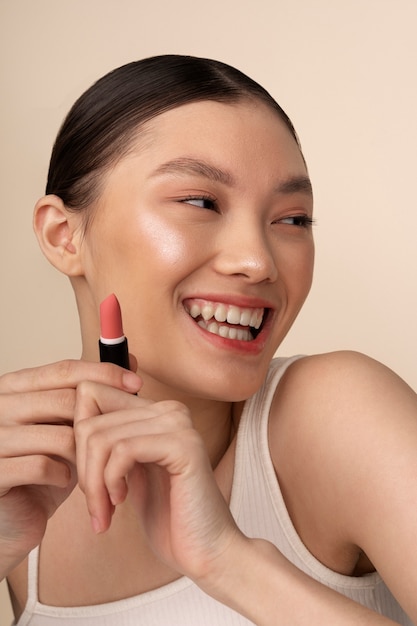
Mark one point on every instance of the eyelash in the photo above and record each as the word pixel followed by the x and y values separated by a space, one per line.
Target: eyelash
pixel 301 221
pixel 206 199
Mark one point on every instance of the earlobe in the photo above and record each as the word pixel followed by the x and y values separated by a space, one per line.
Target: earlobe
pixel 59 234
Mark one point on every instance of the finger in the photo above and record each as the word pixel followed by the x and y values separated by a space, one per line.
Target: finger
pixel 126 456
pixel 99 437
pixel 94 399
pixel 68 374
pixel 95 438
pixel 33 470
pixel 38 439
pixel 54 406
pixel 104 415
pixel 133 363
pixel 100 500
pixel 177 453
pixel 92 457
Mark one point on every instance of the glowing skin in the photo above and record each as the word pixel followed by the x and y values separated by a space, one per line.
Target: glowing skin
pixel 203 210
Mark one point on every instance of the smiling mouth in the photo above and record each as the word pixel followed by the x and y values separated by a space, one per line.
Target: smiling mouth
pixel 226 320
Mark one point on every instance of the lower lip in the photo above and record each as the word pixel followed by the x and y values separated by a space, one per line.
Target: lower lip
pixel 253 347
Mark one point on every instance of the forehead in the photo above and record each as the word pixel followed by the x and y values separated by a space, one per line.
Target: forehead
pixel 244 147
pixel 247 128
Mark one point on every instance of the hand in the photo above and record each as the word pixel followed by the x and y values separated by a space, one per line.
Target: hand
pixel 37 452
pixel 150 453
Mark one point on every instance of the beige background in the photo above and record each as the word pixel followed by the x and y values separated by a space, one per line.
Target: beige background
pixel 346 74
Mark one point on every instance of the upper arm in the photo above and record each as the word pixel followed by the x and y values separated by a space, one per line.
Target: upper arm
pixel 352 424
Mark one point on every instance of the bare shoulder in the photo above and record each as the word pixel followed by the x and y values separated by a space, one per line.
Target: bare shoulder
pixel 341 382
pixel 335 401
pixel 343 441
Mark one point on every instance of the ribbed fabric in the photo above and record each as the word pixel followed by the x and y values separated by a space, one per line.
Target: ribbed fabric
pixel 259 510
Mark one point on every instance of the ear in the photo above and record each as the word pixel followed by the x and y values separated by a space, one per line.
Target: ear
pixel 59 234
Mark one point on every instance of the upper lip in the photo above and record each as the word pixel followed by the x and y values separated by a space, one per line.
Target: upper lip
pixel 242 301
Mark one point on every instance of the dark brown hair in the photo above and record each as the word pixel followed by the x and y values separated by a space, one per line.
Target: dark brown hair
pixel 102 124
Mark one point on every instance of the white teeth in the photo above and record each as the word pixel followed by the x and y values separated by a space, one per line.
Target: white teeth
pixel 227 332
pixel 232 333
pixel 213 328
pixel 233 315
pixel 195 310
pixel 245 317
pixel 219 312
pixel 207 311
pixel 256 319
pixel 253 319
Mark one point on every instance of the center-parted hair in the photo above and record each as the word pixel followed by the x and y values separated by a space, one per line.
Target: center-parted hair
pixel 103 123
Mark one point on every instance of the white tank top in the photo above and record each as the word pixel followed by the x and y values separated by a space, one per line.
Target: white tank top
pixel 259 510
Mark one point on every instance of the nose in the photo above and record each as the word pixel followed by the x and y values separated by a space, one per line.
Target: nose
pixel 245 250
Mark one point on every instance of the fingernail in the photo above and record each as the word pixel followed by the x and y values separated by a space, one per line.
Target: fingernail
pixel 96 526
pixel 115 499
pixel 131 381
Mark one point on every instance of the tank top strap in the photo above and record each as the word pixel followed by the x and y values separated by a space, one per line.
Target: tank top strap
pixel 33 578
pixel 256 415
pixel 252 450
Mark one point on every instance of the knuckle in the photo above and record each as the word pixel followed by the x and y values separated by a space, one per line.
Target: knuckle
pixel 178 412
pixel 66 401
pixel 84 389
pixel 41 468
pixel 59 402
pixel 65 369
pixel 122 448
pixel 96 440
pixel 83 429
pixel 64 440
pixel 67 434
pixel 172 406
pixel 192 437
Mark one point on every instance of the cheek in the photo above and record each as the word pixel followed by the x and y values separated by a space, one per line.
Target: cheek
pixel 299 271
pixel 142 244
pixel 161 241
pixel 165 243
pixel 309 264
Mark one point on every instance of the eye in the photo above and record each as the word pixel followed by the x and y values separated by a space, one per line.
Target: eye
pixel 204 202
pixel 302 221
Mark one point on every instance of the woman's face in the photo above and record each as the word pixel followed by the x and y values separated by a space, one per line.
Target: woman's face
pixel 203 233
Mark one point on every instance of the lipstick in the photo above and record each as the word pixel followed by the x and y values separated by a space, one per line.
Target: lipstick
pixel 112 343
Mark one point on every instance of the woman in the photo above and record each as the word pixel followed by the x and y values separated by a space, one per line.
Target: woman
pixel 211 484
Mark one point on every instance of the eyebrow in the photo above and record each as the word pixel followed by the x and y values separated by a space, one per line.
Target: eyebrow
pixel 187 165
pixel 296 184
